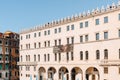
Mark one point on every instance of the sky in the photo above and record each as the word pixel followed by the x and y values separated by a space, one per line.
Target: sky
pixel 16 15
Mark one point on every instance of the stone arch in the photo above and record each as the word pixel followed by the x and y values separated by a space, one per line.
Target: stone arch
pixel 51 72
pixel 63 73
pixel 92 73
pixel 76 73
pixel 42 75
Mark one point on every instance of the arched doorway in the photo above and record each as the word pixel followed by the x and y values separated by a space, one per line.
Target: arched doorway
pixel 76 74
pixel 42 72
pixel 63 73
pixel 51 72
pixel 92 73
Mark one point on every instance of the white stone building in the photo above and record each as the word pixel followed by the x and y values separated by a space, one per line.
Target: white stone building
pixel 82 47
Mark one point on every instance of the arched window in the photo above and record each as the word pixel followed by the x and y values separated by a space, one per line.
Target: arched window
pixel 26 57
pixel 119 53
pixel 86 55
pixel 34 57
pixel 48 57
pixel 38 57
pixel 105 54
pixel 44 57
pixel 67 55
pixel 72 56
pixel 97 54
pixel 81 55
pixel 29 57
pixel 55 56
pixel 39 44
pixel 21 58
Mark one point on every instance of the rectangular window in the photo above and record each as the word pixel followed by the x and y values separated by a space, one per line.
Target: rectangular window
pixel 48 43
pixel 45 33
pixel 48 57
pixel 55 42
pixel 97 36
pixel 55 56
pixel 55 31
pixel 34 34
pixel 34 68
pixel 119 33
pixel 59 29
pixel 44 57
pixel 105 70
pixel 39 44
pixel 29 36
pixel 67 40
pixel 45 43
pixel 86 55
pixel 97 21
pixel 72 39
pixel 81 25
pixel 39 34
pixel 34 45
pixel 119 17
pixel 59 41
pixel 68 28
pixel 81 55
pixel 67 56
pixel 34 57
pixel 21 37
pixel 86 38
pixel 105 35
pixel 119 70
pixel 81 38
pixel 72 27
pixel 86 24
pixel 59 56
pixel 106 19
pixel 72 56
pixel 48 32
pixel 119 53
pixel 26 36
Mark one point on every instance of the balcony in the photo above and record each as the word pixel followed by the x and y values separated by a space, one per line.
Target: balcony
pixel 27 63
pixel 110 63
pixel 63 48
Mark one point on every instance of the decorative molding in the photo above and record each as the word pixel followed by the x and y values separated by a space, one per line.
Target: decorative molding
pixel 74 18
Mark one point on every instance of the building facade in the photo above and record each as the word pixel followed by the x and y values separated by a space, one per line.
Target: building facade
pixel 9 55
pixel 81 47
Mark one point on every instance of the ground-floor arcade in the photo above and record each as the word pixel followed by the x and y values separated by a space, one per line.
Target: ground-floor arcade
pixel 65 73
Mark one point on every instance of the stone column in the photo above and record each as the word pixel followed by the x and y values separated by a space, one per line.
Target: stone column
pixel 90 77
pixel 84 76
pixel 69 74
